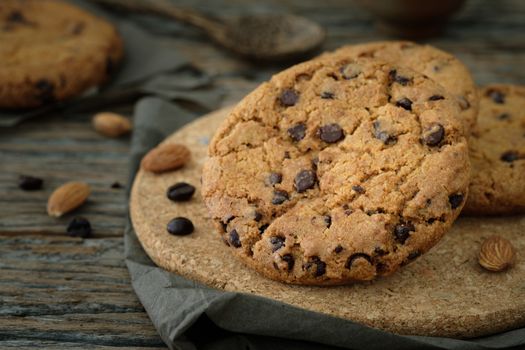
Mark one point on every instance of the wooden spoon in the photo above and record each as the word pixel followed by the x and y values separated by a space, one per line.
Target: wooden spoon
pixel 267 37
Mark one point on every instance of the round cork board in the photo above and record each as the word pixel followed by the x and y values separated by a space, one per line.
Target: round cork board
pixel 443 293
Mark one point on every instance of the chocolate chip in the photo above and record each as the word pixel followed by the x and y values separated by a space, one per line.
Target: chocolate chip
pixel 289 98
pixel 288 258
pixel 358 189
pixel 297 132
pixel 350 71
pixel 79 227
pixel 318 264
pixel 464 104
pixel 277 243
pixel 355 256
pixel 180 192
pixel 257 216
pixel 338 249
pixel 275 178
pixel 510 156
pixel 455 200
pixel 30 183
pixel 331 133
pixel 504 116
pixel 180 226
pixel 434 134
pixel 327 220
pixel 404 103
pixel 402 232
pixel 327 95
pixel 315 162
pixel 116 185
pixel 45 90
pixel 384 136
pixel 496 96
pixel 304 180
pixel 263 228
pixel 279 197
pixel 436 98
pixel 347 210
pixel 395 78
pixel 234 239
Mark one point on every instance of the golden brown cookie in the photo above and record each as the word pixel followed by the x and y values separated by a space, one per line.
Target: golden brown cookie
pixel 337 170
pixel 438 65
pixel 497 152
pixel 51 50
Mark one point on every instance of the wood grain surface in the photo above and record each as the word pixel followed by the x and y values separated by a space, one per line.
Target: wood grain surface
pixel 59 292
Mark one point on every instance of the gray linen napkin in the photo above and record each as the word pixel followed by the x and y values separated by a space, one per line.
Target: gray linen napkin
pixel 189 315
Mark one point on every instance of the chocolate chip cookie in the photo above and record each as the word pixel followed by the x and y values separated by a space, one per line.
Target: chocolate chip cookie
pixel 51 50
pixel 497 152
pixel 337 170
pixel 438 65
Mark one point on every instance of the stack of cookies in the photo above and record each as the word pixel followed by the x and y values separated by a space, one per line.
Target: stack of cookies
pixel 349 166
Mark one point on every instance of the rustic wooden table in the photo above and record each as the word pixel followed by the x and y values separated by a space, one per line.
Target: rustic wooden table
pixel 57 291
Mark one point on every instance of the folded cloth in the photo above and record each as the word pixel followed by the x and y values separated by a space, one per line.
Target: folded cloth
pixel 189 315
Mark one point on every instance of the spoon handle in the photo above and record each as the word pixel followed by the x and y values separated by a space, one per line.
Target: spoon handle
pixel 166 8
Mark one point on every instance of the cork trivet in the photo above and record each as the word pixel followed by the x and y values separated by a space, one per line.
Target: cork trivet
pixel 443 293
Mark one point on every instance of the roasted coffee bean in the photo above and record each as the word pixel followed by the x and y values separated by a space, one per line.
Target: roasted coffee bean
pixel 434 134
pixel 288 258
pixel 436 98
pixel 234 239
pixel 79 227
pixel 289 98
pixel 279 197
pixel 275 178
pixel 404 103
pixel 510 156
pixel 358 189
pixel 277 242
pixel 331 133
pixel 455 200
pixel 180 226
pixel 496 96
pixel 180 192
pixel 297 132
pixel 355 256
pixel 305 180
pixel 402 232
pixel 30 183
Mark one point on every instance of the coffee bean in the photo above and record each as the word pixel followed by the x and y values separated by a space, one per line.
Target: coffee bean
pixel 331 133
pixel 297 132
pixel 279 197
pixel 402 232
pixel 79 227
pixel 355 256
pixel 404 103
pixel 317 264
pixel 275 178
pixel 327 95
pixel 277 243
pixel 116 185
pixel 338 249
pixel 436 98
pixel 304 180
pixel 327 220
pixel 30 183
pixel 289 98
pixel 350 71
pixel 288 258
pixel 263 228
pixel 257 216
pixel 358 189
pixel 504 116
pixel 496 96
pixel 180 226
pixel 510 156
pixel 434 134
pixel 455 200
pixel 234 239
pixel 384 136
pixel 180 192
pixel 395 78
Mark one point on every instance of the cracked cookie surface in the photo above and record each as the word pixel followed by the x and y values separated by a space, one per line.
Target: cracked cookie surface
pixel 337 170
pixel 497 152
pixel 438 65
pixel 51 50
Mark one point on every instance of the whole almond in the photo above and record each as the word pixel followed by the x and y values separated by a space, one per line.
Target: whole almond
pixel 111 124
pixel 67 197
pixel 496 254
pixel 165 157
